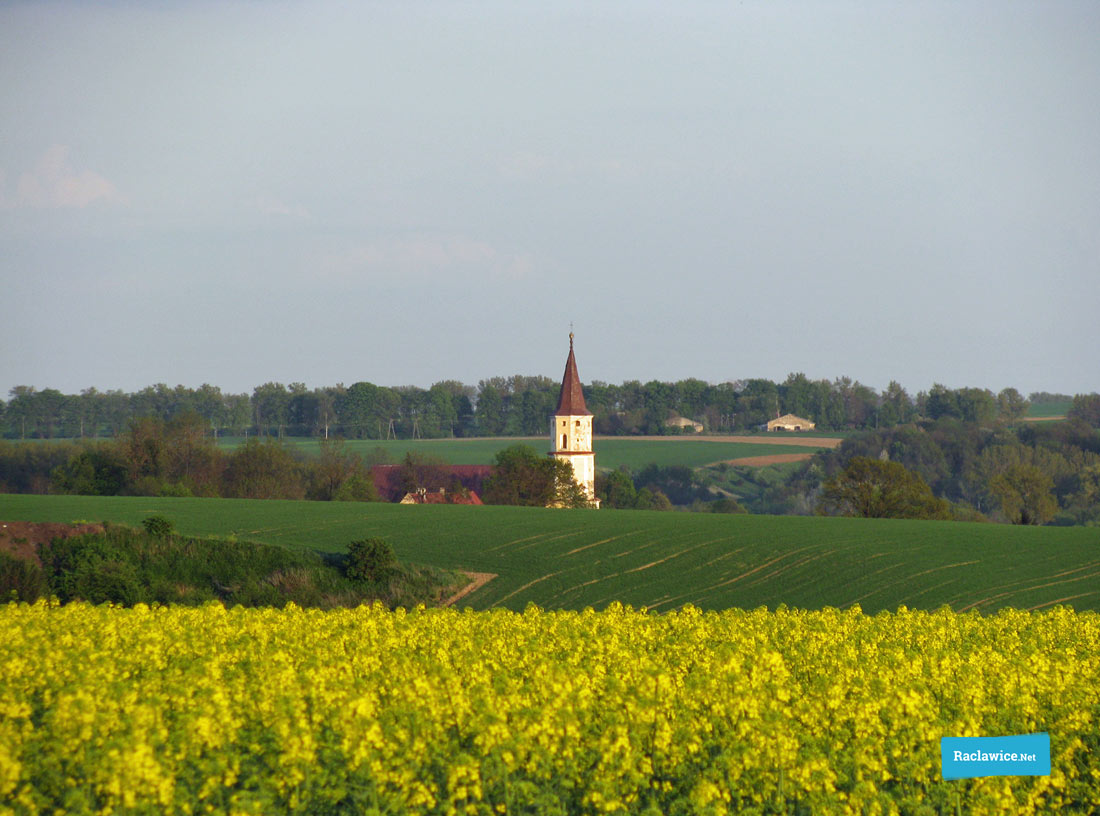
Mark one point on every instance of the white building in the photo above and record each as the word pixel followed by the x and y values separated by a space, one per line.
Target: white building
pixel 571 428
pixel 790 422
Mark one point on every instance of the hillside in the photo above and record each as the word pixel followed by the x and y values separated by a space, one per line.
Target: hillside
pixel 572 559
pixel 611 452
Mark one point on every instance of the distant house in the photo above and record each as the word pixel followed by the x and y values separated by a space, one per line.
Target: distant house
pixel 392 481
pixel 441 496
pixel 683 423
pixel 790 422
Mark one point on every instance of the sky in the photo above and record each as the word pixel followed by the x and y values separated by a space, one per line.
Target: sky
pixel 406 192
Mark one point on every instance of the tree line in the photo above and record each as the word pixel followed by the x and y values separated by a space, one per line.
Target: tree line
pixel 499 406
pixel 177 457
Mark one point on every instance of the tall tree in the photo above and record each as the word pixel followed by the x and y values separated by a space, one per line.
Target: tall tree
pixel 1024 492
pixel 1086 407
pixel 896 407
pixel 796 395
pixel 270 407
pixel 524 477
pixel 340 475
pixel 1011 405
pixel 489 409
pixel 873 488
pixel 263 470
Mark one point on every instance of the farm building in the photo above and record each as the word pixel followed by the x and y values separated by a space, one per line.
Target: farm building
pixel 790 422
pixel 684 424
pixel 424 496
pixel 392 481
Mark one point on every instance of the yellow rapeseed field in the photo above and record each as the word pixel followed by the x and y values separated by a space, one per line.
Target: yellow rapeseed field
pixel 175 710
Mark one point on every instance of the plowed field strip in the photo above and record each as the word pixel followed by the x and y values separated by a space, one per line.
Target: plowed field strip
pixel 1059 601
pixel 796 441
pixel 598 543
pixel 639 569
pixel 1032 589
pixel 1023 585
pixel 528 584
pixel 765 565
pixel 763 461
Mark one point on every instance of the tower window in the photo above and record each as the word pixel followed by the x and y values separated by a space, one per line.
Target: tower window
pixel 564 441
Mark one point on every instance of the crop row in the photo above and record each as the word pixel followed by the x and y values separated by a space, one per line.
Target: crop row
pixel 166 709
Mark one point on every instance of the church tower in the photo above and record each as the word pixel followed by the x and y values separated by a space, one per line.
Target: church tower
pixel 571 428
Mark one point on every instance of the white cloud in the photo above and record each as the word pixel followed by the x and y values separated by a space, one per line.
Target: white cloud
pixel 53 184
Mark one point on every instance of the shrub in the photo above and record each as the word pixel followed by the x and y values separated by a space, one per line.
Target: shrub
pixel 158 526
pixel 20 579
pixel 100 581
pixel 369 558
pixel 725 505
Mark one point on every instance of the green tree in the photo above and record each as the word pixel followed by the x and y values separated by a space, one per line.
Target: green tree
pixel 238 412
pixel 369 559
pixel 1024 492
pixel 796 395
pixel 524 477
pixel 1011 405
pixel 977 405
pixel 896 407
pixel 340 475
pixel 940 402
pixel 616 491
pixel 490 409
pixel 271 407
pixel 652 500
pixel 97 470
pixel 263 470
pixel 680 484
pixel 1086 407
pixel 873 488
pixel 724 505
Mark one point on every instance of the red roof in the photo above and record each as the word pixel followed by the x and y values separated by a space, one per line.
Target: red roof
pixel 390 484
pixel 571 399
pixel 443 498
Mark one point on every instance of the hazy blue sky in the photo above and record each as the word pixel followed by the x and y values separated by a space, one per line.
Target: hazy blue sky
pixel 404 192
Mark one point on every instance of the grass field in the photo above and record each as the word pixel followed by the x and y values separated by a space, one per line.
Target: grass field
pixel 572 559
pixel 611 452
pixel 1045 410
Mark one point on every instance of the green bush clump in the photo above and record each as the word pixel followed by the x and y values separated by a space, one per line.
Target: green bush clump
pixel 369 559
pixel 126 566
pixel 158 526
pixel 20 579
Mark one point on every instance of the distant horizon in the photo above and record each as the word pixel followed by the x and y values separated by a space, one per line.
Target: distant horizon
pixel 586 382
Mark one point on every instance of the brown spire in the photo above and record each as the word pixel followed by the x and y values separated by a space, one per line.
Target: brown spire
pixel 571 400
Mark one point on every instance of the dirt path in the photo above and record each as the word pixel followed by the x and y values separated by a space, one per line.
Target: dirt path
pixel 477 581
pixel 771 439
pixel 761 461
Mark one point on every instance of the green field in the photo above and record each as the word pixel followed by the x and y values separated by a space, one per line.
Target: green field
pixel 572 559
pixel 1042 410
pixel 611 452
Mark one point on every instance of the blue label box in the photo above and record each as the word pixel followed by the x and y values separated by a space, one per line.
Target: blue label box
pixel 1020 755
